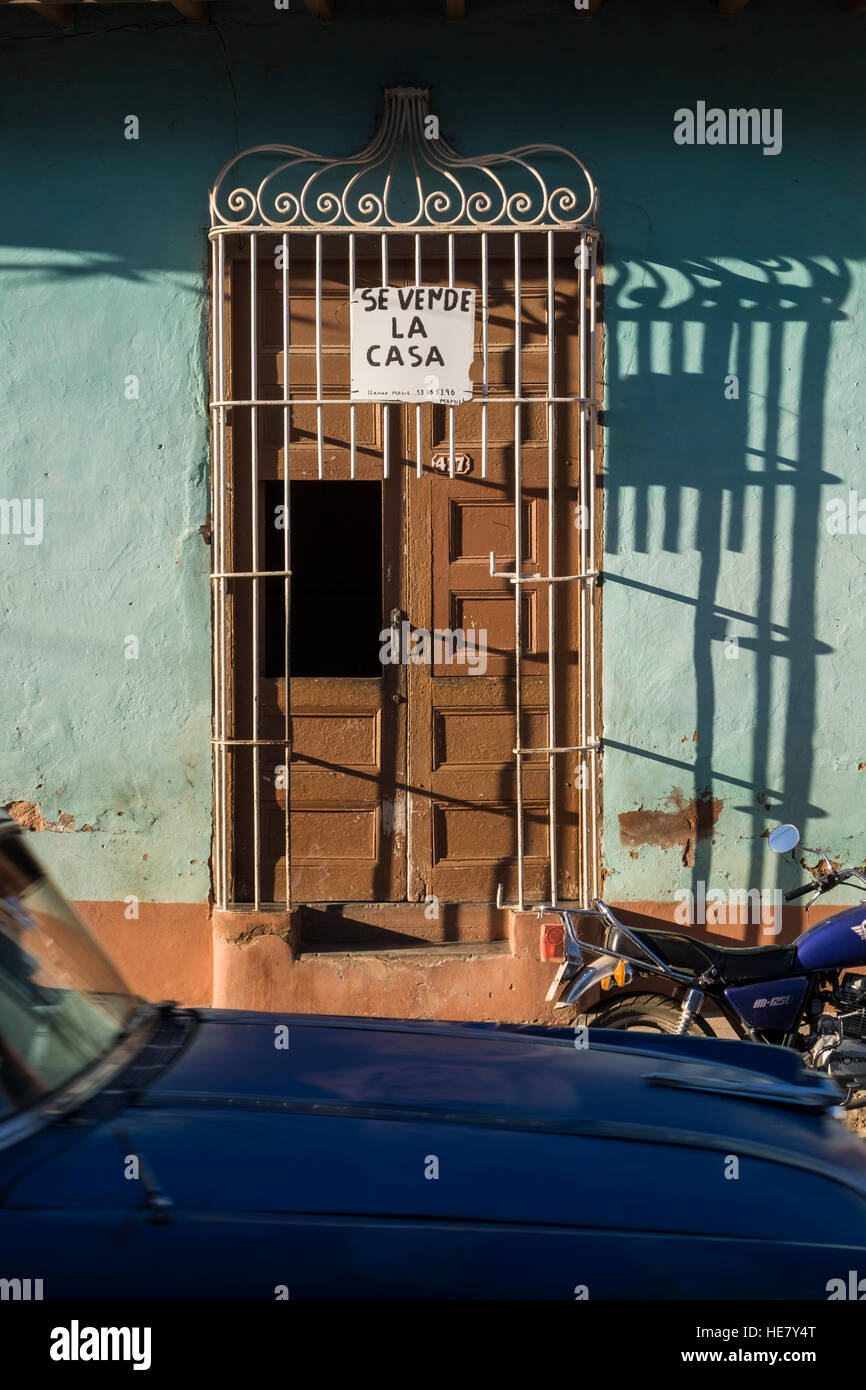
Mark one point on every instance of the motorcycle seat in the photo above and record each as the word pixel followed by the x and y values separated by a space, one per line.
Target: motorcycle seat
pixel 736 964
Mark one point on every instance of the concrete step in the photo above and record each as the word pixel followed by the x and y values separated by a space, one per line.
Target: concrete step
pixel 373 926
pixel 419 951
pixel 260 963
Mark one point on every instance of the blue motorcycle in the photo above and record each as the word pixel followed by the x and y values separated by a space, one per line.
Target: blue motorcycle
pixel 798 996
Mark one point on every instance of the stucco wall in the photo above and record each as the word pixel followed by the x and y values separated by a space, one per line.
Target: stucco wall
pixel 718 260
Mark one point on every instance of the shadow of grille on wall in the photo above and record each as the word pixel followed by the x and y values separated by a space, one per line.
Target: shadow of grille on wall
pixel 737 351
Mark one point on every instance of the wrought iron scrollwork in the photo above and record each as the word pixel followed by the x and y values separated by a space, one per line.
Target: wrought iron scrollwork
pixel 405 179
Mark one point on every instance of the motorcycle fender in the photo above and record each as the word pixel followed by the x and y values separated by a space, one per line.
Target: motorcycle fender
pixel 589 976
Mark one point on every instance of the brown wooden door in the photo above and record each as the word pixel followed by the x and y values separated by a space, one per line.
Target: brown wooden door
pixel 462 824
pixel 402 780
pixel 348 715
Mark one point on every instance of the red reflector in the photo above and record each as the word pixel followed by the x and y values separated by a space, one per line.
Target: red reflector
pixel 553 941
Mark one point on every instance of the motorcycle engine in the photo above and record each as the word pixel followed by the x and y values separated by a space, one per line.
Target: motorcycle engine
pixel 840 1049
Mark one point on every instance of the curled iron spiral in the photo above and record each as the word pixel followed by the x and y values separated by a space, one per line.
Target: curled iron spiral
pixel 403 180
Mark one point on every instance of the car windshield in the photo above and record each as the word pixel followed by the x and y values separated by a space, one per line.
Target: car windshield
pixel 62 1002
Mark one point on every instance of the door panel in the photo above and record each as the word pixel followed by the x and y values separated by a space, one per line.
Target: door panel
pixel 462 769
pixel 347 772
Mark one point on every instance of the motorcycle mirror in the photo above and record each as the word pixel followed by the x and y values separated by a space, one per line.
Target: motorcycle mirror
pixel 783 838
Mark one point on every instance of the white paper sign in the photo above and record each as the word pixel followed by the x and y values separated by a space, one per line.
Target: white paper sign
pixel 412 343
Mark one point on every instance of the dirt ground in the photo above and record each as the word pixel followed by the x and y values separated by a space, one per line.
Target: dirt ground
pixel 856 1121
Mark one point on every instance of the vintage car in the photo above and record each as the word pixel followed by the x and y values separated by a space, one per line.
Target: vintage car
pixel 148 1151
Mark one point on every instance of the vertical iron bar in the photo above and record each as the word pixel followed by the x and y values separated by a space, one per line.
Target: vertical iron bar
pixel 216 300
pixel 584 516
pixel 386 410
pixel 452 464
pixel 220 548
pixel 419 465
pixel 593 565
pixel 518 566
pixel 551 570
pixel 287 555
pixel 485 342
pixel 254 555
pixel 320 447
pixel 353 438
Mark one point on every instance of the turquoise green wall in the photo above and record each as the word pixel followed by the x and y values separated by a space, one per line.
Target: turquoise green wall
pixel 717 260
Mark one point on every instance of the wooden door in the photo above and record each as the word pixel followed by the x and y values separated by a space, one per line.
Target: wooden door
pixel 402 779
pixel 346 781
pixel 462 824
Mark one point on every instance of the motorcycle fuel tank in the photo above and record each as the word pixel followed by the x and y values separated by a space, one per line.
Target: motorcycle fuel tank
pixel 838 941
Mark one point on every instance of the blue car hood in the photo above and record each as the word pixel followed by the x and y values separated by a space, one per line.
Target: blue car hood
pixel 306 1114
pixel 508 1075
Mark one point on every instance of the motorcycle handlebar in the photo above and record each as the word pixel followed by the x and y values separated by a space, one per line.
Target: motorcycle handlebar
pixel 799 892
pixel 818 885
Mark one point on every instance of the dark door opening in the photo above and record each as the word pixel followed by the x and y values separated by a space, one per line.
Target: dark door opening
pixel 336 586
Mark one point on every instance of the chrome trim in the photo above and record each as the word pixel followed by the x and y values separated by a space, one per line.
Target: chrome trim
pixel 692 1005
pixel 817 1096
pixel 648 962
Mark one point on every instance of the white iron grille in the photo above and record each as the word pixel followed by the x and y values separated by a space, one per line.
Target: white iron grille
pixel 404 119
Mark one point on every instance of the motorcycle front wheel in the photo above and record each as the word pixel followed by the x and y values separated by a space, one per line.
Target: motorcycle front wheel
pixel 642 1013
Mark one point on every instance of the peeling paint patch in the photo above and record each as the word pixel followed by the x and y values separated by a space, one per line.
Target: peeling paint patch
pixel 28 815
pixel 678 824
pixel 247 938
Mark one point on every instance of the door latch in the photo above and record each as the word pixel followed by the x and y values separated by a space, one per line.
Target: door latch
pixel 397 618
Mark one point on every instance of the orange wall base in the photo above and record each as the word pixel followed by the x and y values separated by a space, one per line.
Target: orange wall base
pixel 504 980
pixel 186 952
pixel 165 954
